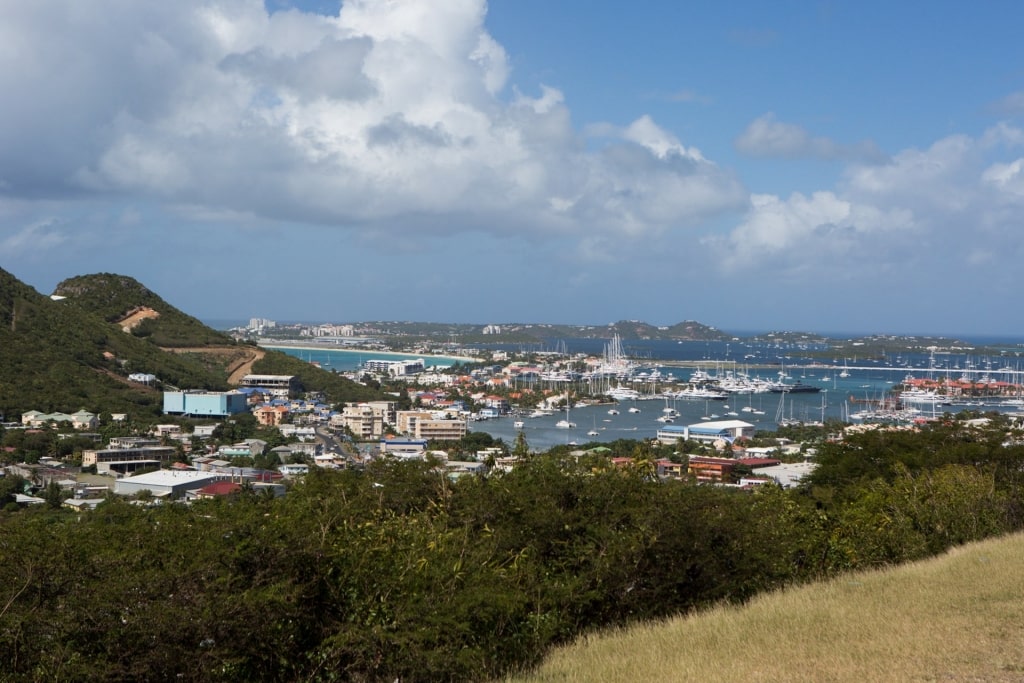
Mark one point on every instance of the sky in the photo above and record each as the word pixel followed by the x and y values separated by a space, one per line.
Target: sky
pixel 820 166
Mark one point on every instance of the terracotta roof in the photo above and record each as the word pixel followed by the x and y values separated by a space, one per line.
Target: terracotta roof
pixel 220 488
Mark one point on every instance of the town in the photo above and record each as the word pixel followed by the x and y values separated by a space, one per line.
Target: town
pixel 432 414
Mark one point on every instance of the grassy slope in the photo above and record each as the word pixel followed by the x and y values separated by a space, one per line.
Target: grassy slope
pixel 958 617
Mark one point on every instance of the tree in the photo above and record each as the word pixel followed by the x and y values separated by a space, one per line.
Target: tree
pixel 53 495
pixel 521 450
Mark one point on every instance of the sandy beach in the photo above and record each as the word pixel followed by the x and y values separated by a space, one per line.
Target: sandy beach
pixel 301 346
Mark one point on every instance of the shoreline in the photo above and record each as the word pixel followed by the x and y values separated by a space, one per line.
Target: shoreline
pixel 300 346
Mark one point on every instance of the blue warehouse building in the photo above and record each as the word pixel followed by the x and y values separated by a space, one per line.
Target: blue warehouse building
pixel 205 403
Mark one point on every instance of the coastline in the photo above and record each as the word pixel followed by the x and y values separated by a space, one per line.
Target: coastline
pixel 313 346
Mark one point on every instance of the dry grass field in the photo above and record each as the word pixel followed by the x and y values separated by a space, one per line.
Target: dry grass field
pixel 958 617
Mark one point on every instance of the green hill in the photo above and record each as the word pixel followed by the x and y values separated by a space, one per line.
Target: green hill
pixel 59 357
pixel 73 353
pixel 124 301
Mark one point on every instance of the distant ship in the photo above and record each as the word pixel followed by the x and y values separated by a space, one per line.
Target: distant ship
pixel 796 388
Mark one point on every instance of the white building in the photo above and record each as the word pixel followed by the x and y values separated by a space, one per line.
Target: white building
pixel 167 483
pixel 396 368
pixel 707 432
pixel 363 421
pixel 787 475
pixel 278 385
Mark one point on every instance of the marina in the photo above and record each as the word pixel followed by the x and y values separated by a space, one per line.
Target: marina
pixel 863 396
pixel 647 384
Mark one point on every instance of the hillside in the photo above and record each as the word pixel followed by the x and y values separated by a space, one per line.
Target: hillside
pixel 125 302
pixel 70 354
pixel 59 357
pixel 957 617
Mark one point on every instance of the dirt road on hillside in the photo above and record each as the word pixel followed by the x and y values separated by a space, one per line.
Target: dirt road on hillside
pixel 240 365
pixel 136 316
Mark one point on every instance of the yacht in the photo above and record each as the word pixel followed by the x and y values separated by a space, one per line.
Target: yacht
pixel 565 424
pixel 518 424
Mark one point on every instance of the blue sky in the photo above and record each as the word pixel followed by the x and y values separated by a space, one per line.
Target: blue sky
pixel 827 166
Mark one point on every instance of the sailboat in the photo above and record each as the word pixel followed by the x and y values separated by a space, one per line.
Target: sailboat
pixel 594 432
pixel 565 424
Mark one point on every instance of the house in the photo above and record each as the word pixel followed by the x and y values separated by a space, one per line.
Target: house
pixel 129 442
pixel 457 468
pixel 666 469
pixel 294 470
pixel 278 385
pixel 204 431
pixel 270 415
pixel 166 430
pixel 708 469
pixel 83 419
pixel 29 419
pixel 499 403
pixel 401 447
pixel 219 489
pixel 330 461
pixel 309 448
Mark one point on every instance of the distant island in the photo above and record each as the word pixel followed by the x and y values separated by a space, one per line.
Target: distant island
pixel 405 334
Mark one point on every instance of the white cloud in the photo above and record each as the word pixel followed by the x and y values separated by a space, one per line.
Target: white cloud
pixel 1011 105
pixel 955 204
pixel 808 233
pixel 393 116
pixel 34 238
pixel 645 132
pixel 766 136
pixel 1006 177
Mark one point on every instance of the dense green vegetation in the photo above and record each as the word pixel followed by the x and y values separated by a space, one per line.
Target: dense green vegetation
pixel 112 297
pixel 59 357
pixel 66 355
pixel 396 572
